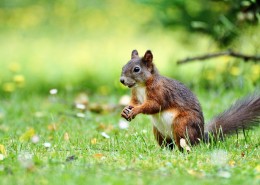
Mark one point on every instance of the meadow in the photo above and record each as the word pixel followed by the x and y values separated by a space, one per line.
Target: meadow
pixel 60 99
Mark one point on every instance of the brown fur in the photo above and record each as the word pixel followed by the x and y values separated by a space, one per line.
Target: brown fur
pixel 164 94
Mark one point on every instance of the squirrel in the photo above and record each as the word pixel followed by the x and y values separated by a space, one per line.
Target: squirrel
pixel 176 112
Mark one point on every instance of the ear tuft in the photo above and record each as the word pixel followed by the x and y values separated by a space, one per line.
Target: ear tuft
pixel 148 56
pixel 134 54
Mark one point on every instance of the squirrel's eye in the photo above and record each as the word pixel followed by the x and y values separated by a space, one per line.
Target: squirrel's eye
pixel 136 69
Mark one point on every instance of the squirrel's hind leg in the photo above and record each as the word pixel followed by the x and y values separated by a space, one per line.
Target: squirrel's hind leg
pixel 162 140
pixel 186 132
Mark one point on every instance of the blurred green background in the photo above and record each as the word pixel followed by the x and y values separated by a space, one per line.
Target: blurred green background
pixel 77 48
pixel 77 45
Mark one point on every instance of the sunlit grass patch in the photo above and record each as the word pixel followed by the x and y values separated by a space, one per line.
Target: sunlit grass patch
pixel 41 136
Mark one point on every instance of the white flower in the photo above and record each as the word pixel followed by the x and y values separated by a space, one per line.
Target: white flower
pixel 124 100
pixel 123 124
pixel 105 135
pixel 80 115
pixel 53 91
pixel 2 157
pixel 144 131
pixel 39 114
pixel 35 139
pixel 80 106
pixel 47 145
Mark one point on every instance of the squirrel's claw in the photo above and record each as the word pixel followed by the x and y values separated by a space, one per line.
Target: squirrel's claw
pixel 126 113
pixel 131 115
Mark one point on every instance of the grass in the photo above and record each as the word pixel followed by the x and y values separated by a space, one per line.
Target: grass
pixel 79 154
pixel 83 51
pixel 129 156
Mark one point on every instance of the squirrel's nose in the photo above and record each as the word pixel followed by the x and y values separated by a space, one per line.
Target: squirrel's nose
pixel 122 80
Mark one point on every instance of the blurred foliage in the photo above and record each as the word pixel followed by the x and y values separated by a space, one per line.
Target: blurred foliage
pixel 223 20
pixel 78 45
pixel 221 75
pixel 230 75
pixel 69 16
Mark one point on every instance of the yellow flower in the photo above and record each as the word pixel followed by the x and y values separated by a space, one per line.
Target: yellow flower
pixel 2 149
pixel 14 67
pixel 66 136
pixel 257 168
pixel 256 70
pixel 9 87
pixel 210 75
pixel 52 127
pixel 235 71
pixel 232 163
pixel 93 141
pixel 18 78
pixel 26 136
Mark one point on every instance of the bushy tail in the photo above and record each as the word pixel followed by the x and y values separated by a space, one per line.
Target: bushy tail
pixel 244 114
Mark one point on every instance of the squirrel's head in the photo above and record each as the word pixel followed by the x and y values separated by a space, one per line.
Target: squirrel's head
pixel 138 70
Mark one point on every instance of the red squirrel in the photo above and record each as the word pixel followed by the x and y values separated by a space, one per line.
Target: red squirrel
pixel 176 112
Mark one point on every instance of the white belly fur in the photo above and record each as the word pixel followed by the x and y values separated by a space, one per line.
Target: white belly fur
pixel 163 121
pixel 141 94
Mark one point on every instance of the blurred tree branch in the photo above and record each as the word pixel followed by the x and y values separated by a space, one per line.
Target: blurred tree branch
pixel 221 20
pixel 218 54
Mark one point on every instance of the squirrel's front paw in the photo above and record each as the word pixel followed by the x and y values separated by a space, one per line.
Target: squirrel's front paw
pixel 126 112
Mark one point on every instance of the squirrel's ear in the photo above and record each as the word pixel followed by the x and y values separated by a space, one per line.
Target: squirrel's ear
pixel 148 60
pixel 134 54
pixel 148 56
